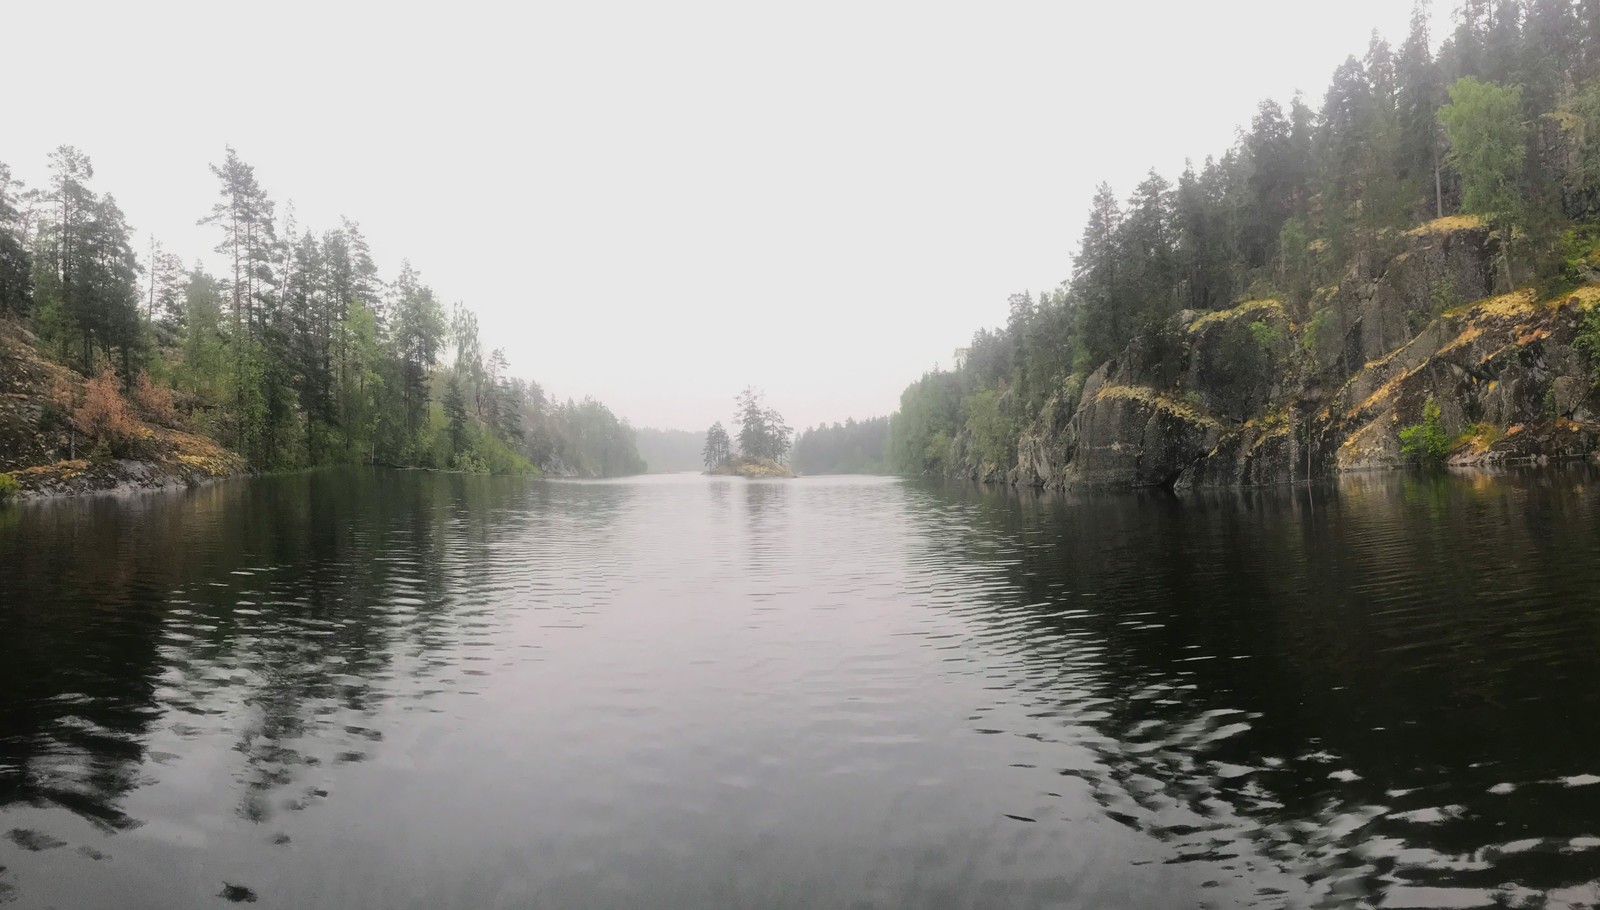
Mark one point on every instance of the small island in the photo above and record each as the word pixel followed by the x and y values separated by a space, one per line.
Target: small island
pixel 763 441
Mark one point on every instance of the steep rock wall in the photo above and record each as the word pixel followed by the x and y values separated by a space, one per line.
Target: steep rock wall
pixel 1266 394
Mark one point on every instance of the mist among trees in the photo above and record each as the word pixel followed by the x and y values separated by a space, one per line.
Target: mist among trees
pixel 852 447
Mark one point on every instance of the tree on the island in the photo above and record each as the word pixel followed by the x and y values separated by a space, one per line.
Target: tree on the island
pixel 762 431
pixel 718 447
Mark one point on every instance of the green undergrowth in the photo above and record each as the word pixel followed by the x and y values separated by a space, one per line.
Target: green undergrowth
pixel 1426 442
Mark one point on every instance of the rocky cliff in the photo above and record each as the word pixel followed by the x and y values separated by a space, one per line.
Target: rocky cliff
pixel 1266 393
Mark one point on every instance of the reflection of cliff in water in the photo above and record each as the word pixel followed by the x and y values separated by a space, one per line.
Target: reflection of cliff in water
pixel 1318 673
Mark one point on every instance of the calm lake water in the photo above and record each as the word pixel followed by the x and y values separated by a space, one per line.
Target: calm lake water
pixel 396 690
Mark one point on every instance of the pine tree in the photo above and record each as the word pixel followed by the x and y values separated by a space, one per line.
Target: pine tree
pixel 244 217
pixel 16 266
pixel 1418 94
pixel 469 355
pixel 1273 172
pixel 1147 245
pixel 1550 53
pixel 1096 281
pixel 68 205
pixel 1588 30
pixel 762 430
pixel 718 447
pixel 163 307
pixel 455 412
pixel 306 314
pixel 1200 248
pixel 107 289
pixel 419 330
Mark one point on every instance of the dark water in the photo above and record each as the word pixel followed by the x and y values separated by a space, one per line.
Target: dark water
pixel 381 690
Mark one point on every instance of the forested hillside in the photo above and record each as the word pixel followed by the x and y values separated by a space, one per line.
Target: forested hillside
pixel 297 353
pixel 1295 305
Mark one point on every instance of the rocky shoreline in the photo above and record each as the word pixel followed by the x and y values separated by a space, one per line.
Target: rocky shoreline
pixel 79 477
pixel 752 468
pixel 39 448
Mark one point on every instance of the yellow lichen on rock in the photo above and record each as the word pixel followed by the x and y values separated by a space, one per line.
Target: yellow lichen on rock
pixel 1364 441
pixel 1272 422
pixel 1447 225
pixel 1586 297
pixel 1156 400
pixel 1478 438
pixel 1382 394
pixel 1468 335
pixel 1247 308
pixel 66 467
pixel 1506 306
pixel 1530 337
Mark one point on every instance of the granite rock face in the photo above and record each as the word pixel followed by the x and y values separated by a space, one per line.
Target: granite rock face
pixel 1260 394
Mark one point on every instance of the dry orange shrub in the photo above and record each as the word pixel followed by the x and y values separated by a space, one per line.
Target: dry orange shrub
pixel 154 400
pixel 104 414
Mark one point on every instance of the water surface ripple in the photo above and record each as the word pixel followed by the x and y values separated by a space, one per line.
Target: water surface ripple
pixel 363 689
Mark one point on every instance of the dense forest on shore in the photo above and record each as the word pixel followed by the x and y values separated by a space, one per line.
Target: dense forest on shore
pixel 1304 303
pixel 297 354
pixel 1491 143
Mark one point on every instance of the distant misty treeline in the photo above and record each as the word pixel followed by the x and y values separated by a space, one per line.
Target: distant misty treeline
pixel 298 352
pixel 852 447
pixel 669 451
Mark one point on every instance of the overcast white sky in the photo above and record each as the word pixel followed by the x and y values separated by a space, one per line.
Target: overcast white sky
pixel 659 203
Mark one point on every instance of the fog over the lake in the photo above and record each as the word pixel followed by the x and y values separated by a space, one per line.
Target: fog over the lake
pixel 657 204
